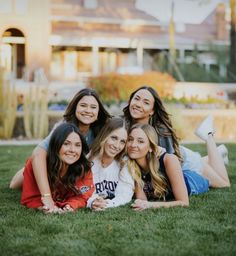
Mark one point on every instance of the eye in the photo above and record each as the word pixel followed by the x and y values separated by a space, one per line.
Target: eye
pixel 140 141
pixel 114 138
pixel 78 145
pixel 146 103
pixel 130 139
pixel 94 107
pixel 123 142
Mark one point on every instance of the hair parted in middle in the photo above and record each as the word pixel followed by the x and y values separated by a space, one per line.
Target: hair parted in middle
pixel 103 115
pixel 160 120
pixel 158 180
pixel 111 125
pixel 55 164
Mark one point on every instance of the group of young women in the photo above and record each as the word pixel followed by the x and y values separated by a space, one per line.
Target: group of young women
pixel 135 156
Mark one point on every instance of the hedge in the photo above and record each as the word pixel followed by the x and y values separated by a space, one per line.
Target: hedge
pixel 115 87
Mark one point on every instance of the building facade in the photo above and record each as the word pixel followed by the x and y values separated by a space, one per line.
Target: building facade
pixel 73 39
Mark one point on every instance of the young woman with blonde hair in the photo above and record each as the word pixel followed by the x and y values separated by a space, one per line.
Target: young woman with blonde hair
pixel 159 179
pixel 114 186
pixel 146 107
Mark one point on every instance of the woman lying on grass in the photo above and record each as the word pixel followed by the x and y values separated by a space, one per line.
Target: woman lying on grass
pixel 69 173
pixel 113 183
pixel 160 182
pixel 85 111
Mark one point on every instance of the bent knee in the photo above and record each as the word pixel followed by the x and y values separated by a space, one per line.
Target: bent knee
pixel 224 184
pixel 13 185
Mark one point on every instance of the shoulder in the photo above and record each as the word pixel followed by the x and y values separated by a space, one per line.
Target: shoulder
pixel 88 178
pixel 170 158
pixel 162 128
pixel 88 175
pixel 114 165
pixel 95 165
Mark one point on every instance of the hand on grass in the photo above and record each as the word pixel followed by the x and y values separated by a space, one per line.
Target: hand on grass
pixel 67 208
pixel 99 204
pixel 140 205
pixel 49 206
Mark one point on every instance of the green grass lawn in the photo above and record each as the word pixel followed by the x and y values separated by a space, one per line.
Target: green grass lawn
pixel 206 227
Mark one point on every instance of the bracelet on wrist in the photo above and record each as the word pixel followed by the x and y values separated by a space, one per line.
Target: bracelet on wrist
pixel 46 195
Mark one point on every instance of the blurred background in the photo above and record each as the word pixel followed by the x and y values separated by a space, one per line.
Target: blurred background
pixel 50 49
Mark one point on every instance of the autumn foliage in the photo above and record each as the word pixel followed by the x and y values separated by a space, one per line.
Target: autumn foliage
pixel 115 87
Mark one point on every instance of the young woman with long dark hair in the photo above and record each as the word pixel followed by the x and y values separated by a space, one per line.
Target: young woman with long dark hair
pixel 68 170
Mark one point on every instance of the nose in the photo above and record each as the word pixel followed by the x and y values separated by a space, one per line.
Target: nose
pixel 87 109
pixel 72 148
pixel 132 144
pixel 116 144
pixel 138 103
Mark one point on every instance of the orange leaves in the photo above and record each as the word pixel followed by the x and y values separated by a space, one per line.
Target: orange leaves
pixel 115 87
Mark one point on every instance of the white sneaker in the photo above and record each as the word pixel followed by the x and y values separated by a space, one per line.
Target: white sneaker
pixel 205 128
pixel 224 153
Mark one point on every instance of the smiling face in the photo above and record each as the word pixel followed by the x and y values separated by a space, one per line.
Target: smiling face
pixel 115 142
pixel 87 110
pixel 138 144
pixel 141 106
pixel 71 149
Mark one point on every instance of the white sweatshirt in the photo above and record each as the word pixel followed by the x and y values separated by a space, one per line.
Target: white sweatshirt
pixel 112 182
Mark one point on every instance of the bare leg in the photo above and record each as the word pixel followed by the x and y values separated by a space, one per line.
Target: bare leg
pixel 222 149
pixel 215 170
pixel 17 180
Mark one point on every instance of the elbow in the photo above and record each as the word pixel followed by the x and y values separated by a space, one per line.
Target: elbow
pixel 184 203
pixel 38 152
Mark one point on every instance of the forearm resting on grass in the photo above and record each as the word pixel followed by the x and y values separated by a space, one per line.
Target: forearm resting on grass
pixel 39 164
pixel 140 205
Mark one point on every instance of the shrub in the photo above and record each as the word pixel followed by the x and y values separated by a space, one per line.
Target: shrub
pixel 115 87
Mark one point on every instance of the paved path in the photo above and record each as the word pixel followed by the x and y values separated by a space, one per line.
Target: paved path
pixel 35 142
pixel 18 142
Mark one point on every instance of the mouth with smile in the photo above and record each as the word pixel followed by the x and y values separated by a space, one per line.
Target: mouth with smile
pixel 136 110
pixel 87 115
pixel 70 156
pixel 133 151
pixel 113 150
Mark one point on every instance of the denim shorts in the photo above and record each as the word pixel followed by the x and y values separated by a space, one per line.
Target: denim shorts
pixel 195 183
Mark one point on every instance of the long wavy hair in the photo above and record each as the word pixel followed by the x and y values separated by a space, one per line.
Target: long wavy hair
pixel 160 120
pixel 55 164
pixel 97 149
pixel 158 181
pixel 70 115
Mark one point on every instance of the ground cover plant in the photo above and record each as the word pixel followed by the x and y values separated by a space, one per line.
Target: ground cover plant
pixel 206 227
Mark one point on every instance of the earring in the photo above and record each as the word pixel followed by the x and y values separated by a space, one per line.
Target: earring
pixel 150 121
pixel 149 156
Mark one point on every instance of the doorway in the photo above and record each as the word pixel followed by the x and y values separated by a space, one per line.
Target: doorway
pixel 13 52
